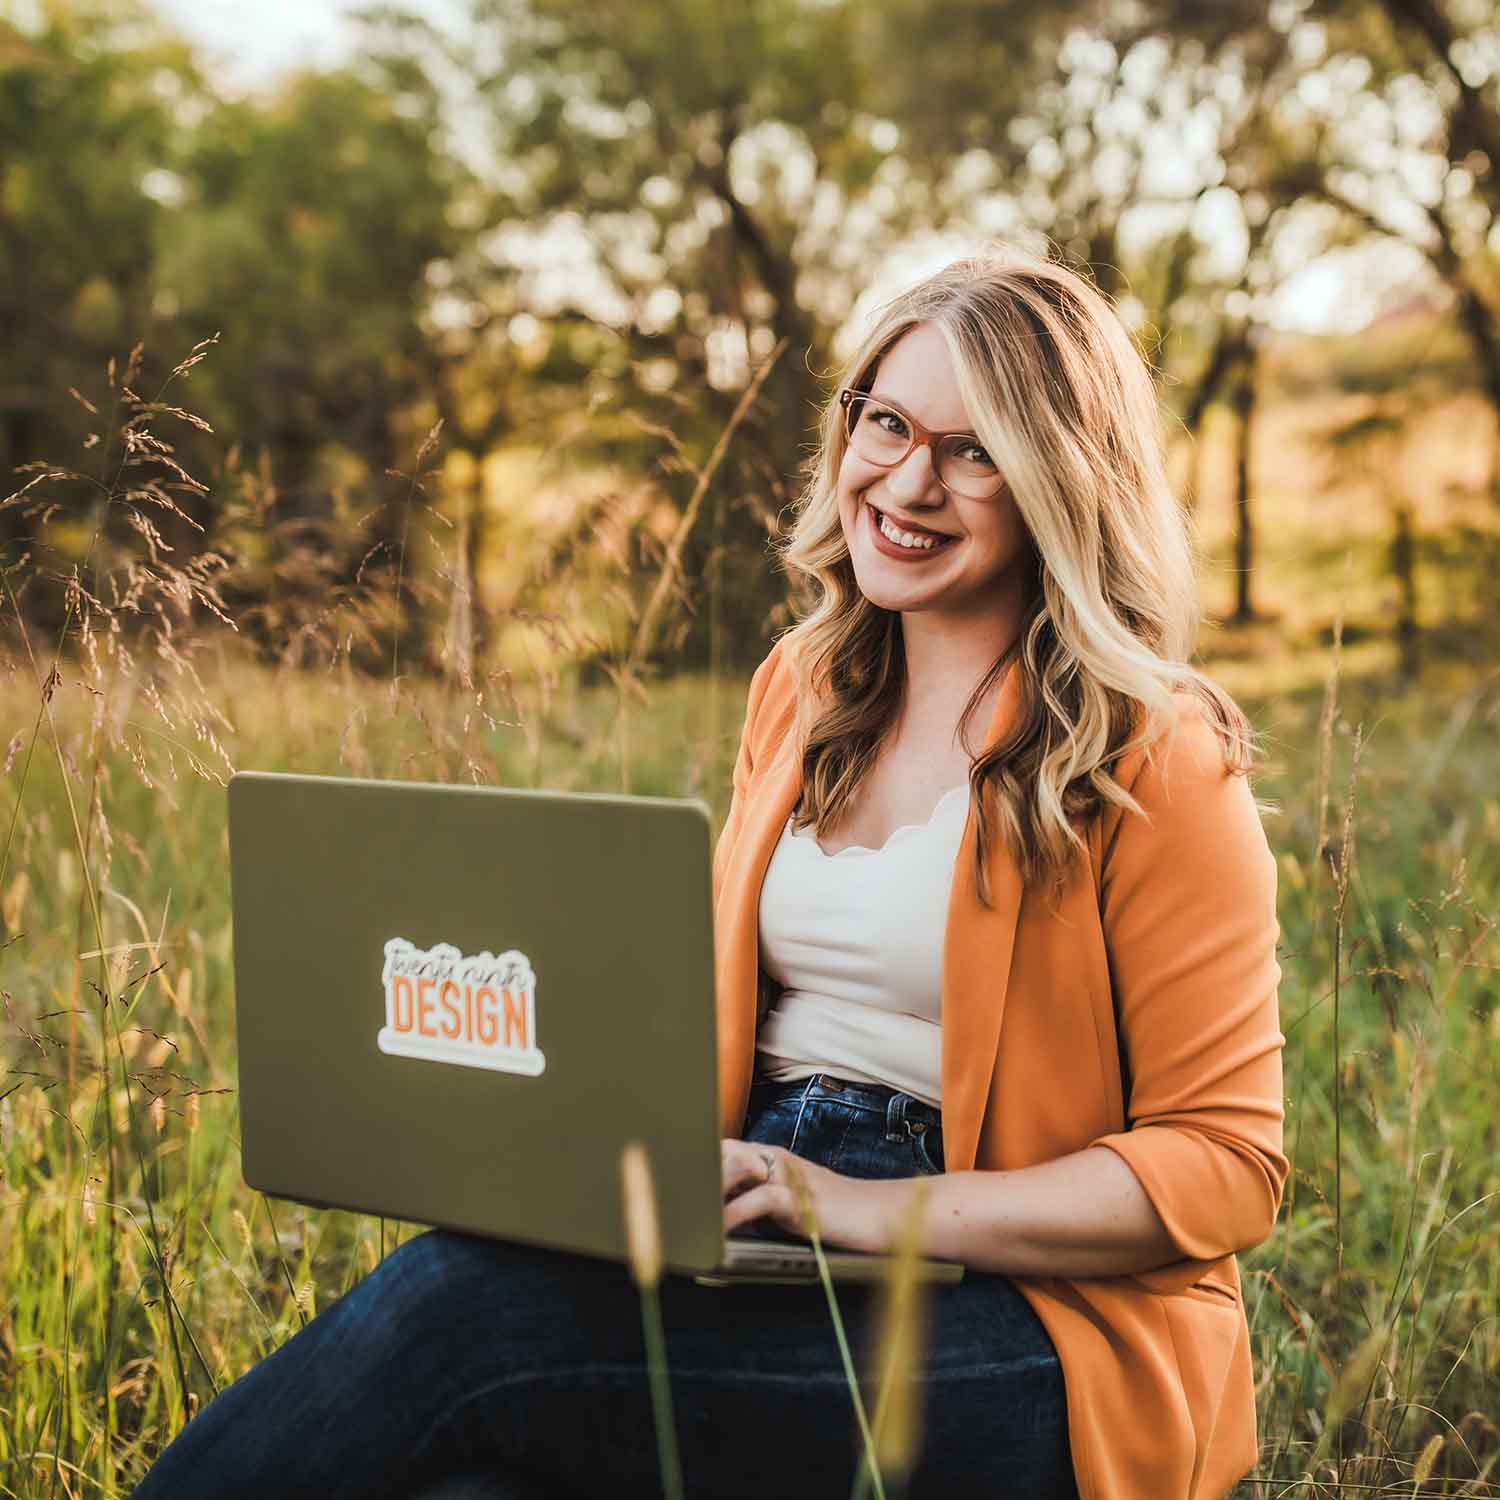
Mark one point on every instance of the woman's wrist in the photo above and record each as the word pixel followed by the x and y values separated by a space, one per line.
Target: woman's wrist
pixel 892 1202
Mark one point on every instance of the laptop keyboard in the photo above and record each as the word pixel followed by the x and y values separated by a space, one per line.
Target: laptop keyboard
pixel 758 1255
pixel 764 1255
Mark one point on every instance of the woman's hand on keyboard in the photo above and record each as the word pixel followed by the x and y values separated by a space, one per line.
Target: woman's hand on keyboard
pixel 762 1182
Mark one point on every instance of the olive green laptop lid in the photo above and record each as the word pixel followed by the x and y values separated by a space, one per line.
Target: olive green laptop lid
pixel 455 1004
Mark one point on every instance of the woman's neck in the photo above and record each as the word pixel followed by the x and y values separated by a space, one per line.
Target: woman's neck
pixel 947 657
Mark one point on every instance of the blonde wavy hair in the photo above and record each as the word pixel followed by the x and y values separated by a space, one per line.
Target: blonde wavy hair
pixel 1061 397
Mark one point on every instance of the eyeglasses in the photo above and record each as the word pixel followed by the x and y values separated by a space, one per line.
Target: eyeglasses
pixel 881 433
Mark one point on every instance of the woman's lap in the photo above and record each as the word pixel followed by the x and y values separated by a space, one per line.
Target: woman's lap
pixel 459 1353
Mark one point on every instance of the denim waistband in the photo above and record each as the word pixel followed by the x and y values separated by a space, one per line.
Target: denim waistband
pixel 900 1110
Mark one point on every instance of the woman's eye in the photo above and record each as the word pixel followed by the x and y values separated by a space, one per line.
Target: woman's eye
pixel 890 421
pixel 974 454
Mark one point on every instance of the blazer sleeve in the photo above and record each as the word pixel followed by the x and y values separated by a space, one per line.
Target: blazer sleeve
pixel 1188 905
pixel 744 764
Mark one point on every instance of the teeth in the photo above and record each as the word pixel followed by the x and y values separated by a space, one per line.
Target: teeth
pixel 906 538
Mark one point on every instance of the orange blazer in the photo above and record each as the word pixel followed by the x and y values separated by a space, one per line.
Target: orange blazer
pixel 1138 1013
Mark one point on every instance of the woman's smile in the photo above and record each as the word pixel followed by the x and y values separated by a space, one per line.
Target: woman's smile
pixel 889 538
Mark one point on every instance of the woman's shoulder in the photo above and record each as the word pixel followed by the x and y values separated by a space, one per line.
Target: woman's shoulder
pixel 1190 768
pixel 1201 735
pixel 774 663
pixel 773 680
pixel 1191 854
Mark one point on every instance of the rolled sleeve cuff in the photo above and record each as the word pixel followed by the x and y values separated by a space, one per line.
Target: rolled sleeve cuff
pixel 1192 1178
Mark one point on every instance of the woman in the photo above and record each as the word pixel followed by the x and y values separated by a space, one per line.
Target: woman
pixel 1042 975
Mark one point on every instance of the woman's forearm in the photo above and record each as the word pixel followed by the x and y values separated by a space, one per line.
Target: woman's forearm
pixel 1085 1214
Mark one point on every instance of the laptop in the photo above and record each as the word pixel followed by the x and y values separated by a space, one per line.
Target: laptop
pixel 455 1004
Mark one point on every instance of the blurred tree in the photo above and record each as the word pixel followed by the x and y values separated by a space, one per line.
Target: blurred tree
pixel 136 205
pixel 702 182
pixel 570 224
pixel 1431 67
pixel 1400 110
pixel 1460 67
pixel 86 135
pixel 1186 241
pixel 305 229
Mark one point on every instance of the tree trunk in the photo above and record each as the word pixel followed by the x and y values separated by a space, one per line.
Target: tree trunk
pixel 1483 329
pixel 1403 565
pixel 1244 536
pixel 1229 349
pixel 472 503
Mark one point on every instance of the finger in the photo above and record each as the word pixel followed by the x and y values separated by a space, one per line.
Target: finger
pixel 745 1167
pixel 769 1201
pixel 732 1152
pixel 741 1179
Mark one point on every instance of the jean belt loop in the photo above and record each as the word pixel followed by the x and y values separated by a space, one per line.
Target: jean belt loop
pixel 896 1128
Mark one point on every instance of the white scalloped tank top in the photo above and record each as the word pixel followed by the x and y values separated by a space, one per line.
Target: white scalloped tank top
pixel 856 941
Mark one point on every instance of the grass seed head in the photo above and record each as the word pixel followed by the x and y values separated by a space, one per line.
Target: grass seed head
pixel 901 1345
pixel 13 903
pixel 642 1229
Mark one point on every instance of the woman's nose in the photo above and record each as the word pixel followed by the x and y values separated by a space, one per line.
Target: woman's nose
pixel 914 477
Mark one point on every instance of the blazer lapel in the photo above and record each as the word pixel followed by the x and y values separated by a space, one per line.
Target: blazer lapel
pixel 737 924
pixel 977 947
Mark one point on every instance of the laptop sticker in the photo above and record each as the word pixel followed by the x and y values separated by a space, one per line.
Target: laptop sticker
pixel 477 1011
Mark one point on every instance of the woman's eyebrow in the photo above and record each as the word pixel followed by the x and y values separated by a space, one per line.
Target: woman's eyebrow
pixel 942 431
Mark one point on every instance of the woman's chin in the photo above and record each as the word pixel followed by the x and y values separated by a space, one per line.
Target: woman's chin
pixel 895 594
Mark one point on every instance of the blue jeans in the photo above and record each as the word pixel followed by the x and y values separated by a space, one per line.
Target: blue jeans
pixel 469 1369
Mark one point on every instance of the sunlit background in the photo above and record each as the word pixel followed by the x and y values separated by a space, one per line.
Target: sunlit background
pixel 419 393
pixel 251 49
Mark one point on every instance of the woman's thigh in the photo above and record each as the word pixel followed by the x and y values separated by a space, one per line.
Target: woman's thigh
pixel 458 1352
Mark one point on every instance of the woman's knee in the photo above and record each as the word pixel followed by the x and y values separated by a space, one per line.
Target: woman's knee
pixel 424 1290
pixel 437 1263
pixel 437 1277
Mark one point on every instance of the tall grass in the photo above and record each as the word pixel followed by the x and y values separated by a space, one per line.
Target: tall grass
pixel 643 1242
pixel 141 1274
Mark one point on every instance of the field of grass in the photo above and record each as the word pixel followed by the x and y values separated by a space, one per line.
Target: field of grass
pixel 122 1200
pixel 141 1274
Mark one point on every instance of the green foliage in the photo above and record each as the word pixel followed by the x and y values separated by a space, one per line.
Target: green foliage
pixel 135 203
pixel 306 228
pixel 84 124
